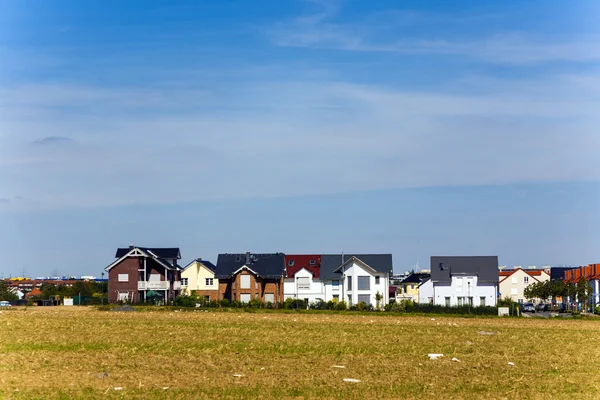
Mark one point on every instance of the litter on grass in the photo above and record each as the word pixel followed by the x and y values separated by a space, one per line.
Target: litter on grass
pixel 455 359
pixel 434 356
pixel 487 333
pixel 118 388
pixel 238 375
pixel 351 380
pixel 512 364
pixel 338 366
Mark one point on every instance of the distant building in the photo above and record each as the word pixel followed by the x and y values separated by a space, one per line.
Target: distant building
pixel 142 274
pixel 457 281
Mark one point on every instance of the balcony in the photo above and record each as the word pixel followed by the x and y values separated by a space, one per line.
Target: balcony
pixel 153 285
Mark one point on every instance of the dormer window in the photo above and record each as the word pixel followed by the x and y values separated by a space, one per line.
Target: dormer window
pixel 290 263
pixel 313 262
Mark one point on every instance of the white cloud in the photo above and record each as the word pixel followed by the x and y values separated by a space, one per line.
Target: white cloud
pixel 387 32
pixel 283 139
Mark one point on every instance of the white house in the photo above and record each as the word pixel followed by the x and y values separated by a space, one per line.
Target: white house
pixel 426 291
pixel 357 278
pixel 461 281
pixel 304 285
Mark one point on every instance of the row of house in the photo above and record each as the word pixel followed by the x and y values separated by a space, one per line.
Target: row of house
pixel 470 279
pixel 141 273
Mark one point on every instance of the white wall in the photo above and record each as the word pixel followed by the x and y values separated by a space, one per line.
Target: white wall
pixel 354 270
pixel 314 293
pixel 464 286
pixel 426 292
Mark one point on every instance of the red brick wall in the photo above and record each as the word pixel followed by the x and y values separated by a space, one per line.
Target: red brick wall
pixel 127 266
pixel 232 289
pixel 130 266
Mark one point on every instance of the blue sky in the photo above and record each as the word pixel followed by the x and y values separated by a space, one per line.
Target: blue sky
pixel 416 128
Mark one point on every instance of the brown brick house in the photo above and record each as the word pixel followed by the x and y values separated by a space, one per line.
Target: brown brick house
pixel 244 277
pixel 142 274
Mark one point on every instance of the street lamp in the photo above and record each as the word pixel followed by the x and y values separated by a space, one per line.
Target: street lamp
pixel 102 283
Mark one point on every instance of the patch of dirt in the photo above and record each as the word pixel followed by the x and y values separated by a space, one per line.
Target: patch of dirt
pixel 125 307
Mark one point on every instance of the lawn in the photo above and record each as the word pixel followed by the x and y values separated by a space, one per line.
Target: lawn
pixel 78 352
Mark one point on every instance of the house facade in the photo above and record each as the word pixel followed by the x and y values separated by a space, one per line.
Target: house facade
pixel 246 277
pixel 356 278
pixel 512 284
pixel 198 277
pixel 142 274
pixel 303 278
pixel 458 281
pixel 408 288
pixel 591 273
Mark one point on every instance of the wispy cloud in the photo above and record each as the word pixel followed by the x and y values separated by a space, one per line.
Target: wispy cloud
pixel 386 32
pixel 52 140
pixel 299 138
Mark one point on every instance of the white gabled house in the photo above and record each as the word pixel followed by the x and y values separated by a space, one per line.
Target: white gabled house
pixel 358 278
pixel 458 281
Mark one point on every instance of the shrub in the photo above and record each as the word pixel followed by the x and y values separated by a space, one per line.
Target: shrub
pixel 340 305
pixel 597 310
pixel 361 306
pixel 184 301
pixel 255 303
pixel 224 302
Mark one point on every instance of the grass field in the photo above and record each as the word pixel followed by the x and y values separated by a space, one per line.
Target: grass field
pixel 85 353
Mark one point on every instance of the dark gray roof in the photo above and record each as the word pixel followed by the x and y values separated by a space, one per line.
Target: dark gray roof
pixel 416 277
pixel 331 262
pixel 207 264
pixel 484 267
pixel 160 252
pixel 267 265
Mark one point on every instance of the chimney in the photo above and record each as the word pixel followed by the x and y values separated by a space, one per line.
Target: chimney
pixel 247 258
pixel 131 246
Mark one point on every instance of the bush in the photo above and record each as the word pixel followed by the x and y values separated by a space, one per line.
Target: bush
pixel 294 304
pixel 597 310
pixel 255 303
pixel 361 306
pixel 340 305
pixel 224 303
pixel 318 305
pixel 185 301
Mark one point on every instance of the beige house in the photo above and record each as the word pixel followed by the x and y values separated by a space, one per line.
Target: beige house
pixel 199 277
pixel 513 283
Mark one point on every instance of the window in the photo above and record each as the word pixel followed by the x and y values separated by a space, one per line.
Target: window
pixel 377 280
pixel 208 281
pixel 336 297
pixel 525 279
pixel 412 287
pixel 365 298
pixel 364 282
pixel 350 283
pixel 447 301
pixel 154 277
pixel 482 301
pixel 349 300
pixel 123 296
pixel 124 278
pixel 335 285
pixel 303 283
pixel 269 298
pixel 471 301
pixel 459 285
pixel 405 288
pixel 514 291
pixel 245 298
pixel 312 262
pixel 244 281
pixel 255 284
pixel 184 281
pixel 291 263
pixel 514 280
pixel 461 301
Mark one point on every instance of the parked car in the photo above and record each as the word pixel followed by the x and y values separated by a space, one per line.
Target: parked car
pixel 5 303
pixel 542 307
pixel 529 307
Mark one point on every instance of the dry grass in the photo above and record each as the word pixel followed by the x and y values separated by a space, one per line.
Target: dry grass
pixel 64 352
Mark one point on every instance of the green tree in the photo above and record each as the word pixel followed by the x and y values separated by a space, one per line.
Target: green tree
pixel 6 294
pixel 583 291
